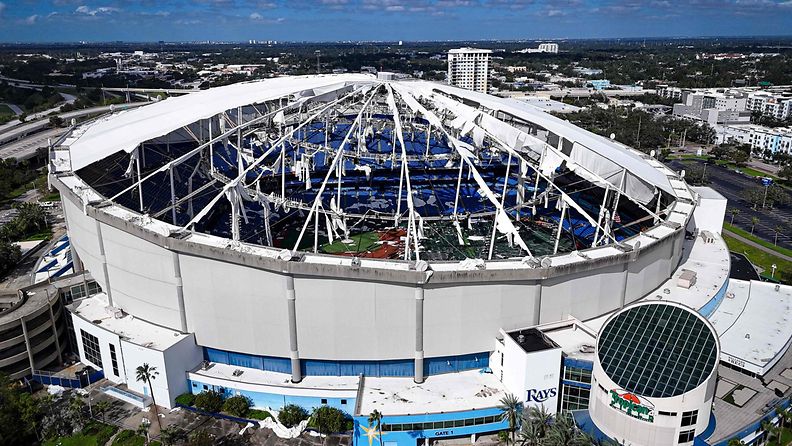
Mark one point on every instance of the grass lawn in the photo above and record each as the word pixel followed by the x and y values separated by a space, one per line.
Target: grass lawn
pixel 95 434
pixel 6 110
pixel 42 235
pixel 362 243
pixel 759 258
pixel 130 438
pixel 758 240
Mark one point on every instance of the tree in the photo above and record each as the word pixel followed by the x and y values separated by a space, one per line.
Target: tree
pixel 171 435
pixel 778 229
pixel 510 408
pixel 734 212
pixel 786 172
pixel 329 420
pixel 754 222
pixel 145 373
pixel 56 121
pixel 564 432
pixel 735 442
pixel 541 418
pixel 201 438
pixel 291 415
pixel 529 434
pixel 101 408
pixel 771 430
pixel 238 405
pixel 143 429
pixel 209 400
pixel 375 418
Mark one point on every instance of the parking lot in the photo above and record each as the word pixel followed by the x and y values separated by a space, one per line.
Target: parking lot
pixel 731 185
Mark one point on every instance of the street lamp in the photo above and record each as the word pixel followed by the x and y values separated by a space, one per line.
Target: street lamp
pixel 772 274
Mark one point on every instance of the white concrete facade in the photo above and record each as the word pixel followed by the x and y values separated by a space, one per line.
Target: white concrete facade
pixel 468 68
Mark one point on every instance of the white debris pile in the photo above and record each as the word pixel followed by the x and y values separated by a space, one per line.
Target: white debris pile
pixel 282 431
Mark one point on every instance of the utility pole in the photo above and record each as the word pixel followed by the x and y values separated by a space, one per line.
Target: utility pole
pixel 317 61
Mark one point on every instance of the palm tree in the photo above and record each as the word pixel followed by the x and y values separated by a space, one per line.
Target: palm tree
pixel 778 229
pixel 770 429
pixel 529 434
pixel 143 430
pixel 754 222
pixel 510 408
pixel 734 213
pixel 541 418
pixel 565 432
pixel 145 373
pixel 375 418
pixel 735 442
pixel 101 408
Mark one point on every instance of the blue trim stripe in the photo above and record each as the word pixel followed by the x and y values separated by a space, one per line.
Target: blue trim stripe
pixel 579 363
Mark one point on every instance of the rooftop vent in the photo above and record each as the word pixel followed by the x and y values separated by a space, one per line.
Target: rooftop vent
pixel 521 338
pixel 687 279
pixel 587 348
pixel 238 372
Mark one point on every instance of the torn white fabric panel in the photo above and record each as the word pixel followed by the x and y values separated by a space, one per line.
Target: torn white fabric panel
pixel 125 130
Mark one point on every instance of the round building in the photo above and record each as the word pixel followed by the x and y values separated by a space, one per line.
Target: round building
pixel 654 376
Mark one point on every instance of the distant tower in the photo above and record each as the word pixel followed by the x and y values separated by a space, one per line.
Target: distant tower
pixel 469 68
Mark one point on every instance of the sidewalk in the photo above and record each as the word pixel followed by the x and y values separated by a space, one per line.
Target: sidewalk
pixel 757 246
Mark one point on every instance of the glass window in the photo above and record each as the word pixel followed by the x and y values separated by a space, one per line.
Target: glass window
pixel 689 418
pixel 646 334
pixel 114 360
pixel 574 398
pixel 91 348
pixel 687 436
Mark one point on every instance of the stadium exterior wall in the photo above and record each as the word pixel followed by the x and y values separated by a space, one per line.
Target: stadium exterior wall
pixel 237 301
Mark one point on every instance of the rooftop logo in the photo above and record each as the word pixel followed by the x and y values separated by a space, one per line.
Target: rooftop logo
pixel 632 405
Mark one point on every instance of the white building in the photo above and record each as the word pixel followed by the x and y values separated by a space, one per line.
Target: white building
pixel 776 105
pixel 469 68
pixel 548 48
pixel 761 138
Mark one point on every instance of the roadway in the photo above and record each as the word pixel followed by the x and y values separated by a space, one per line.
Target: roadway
pixel 19 132
pixel 731 185
pixel 26 147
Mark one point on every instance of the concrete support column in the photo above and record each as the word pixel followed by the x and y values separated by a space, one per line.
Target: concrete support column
pixel 472 438
pixel 106 275
pixel 55 332
pixel 419 339
pixel 76 262
pixel 294 352
pixel 27 344
pixel 625 273
pixel 538 303
pixel 179 291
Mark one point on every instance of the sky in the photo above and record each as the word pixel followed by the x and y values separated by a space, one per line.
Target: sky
pixel 386 20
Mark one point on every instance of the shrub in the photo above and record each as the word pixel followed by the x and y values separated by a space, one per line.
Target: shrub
pixel 503 436
pixel 185 399
pixel 291 415
pixel 329 419
pixel 209 401
pixel 238 406
pixel 255 414
pixel 101 431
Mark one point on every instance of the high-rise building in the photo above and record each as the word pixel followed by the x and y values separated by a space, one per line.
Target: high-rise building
pixel 469 68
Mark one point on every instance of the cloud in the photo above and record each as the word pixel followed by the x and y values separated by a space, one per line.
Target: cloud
pixel 31 20
pixel 2 8
pixel 256 16
pixel 102 10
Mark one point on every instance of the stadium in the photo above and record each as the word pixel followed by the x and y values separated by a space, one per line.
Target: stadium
pixel 330 239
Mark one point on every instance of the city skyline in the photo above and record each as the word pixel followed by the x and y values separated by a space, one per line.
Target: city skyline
pixel 385 20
